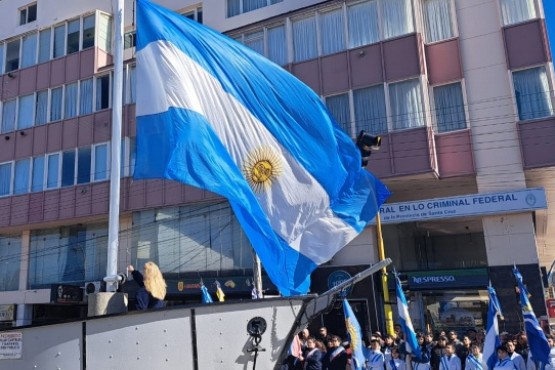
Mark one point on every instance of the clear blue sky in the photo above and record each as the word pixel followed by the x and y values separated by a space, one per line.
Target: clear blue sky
pixel 549 11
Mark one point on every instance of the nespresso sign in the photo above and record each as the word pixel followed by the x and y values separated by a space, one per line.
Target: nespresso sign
pixel 466 278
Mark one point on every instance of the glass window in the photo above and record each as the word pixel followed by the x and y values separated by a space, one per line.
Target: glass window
pixel 28 14
pixel 44 45
pixel 56 104
pixel 53 170
pixel 70 104
pixel 437 19
pixel 233 8
pixel 104 31
pixel 68 168
pixel 86 96
pixel 516 11
pixel 338 106
pixel 5 178
pixel 131 97
pixel 29 54
pixel 397 17
pixel 100 162
pixel 277 48
pixel 88 31
pixel 332 31
pixel 370 113
pixel 130 40
pixel 406 104
pixel 363 23
pixel 255 41
pixel 1 57
pixel 449 107
pixel 41 106
pixel 10 260
pixel 73 28
pixel 532 93
pixel 304 39
pixel 132 156
pixel 250 5
pixel 84 165
pixel 102 92
pixel 12 55
pixel 9 115
pixel 25 111
pixel 59 41
pixel 22 176
pixel 38 174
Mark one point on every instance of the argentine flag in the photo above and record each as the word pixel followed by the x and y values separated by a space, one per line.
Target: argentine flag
pixel 216 115
pixel 405 320
pixel 537 342
pixel 355 336
pixel 492 341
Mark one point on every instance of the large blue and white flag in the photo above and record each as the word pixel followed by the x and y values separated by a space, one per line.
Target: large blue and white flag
pixel 354 333
pixel 215 114
pixel 405 320
pixel 492 341
pixel 537 342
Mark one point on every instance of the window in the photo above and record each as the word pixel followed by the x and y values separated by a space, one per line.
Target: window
pixel 130 40
pixel 132 156
pixel 56 103
pixel 304 39
pixel 22 176
pixel 397 17
pixel 88 31
pixel 130 85
pixel 70 102
pixel 37 183
pixel 102 92
pixel 532 93
pixel 9 116
pixel 44 45
pixel 277 47
pixel 10 258
pixel 370 113
pixel 28 14
pixel 25 111
pixel 255 41
pixel 41 107
pixel 1 58
pixel 84 165
pixel 449 107
pixel 29 53
pixel 52 171
pixel 363 23
pixel 101 167
pixel 86 96
pixel 236 7
pixel 195 14
pixel 12 55
pixel 338 106
pixel 68 168
pixel 516 11
pixel 406 104
pixel 73 34
pixel 437 19
pixel 104 33
pixel 59 41
pixel 5 178
pixel 332 31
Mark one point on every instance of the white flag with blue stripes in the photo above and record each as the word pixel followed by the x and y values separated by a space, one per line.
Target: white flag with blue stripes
pixel 405 320
pixel 216 115
pixel 492 341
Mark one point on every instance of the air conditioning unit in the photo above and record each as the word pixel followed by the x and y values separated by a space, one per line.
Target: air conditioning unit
pixel 94 287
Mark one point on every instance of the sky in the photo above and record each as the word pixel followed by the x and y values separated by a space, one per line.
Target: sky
pixel 549 11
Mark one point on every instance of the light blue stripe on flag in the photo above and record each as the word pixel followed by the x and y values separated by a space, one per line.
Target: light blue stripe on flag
pixel 537 341
pixel 405 320
pixel 216 115
pixel 492 341
pixel 354 333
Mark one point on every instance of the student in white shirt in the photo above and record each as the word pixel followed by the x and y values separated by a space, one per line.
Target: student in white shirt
pixel 504 362
pixel 449 360
pixel 517 359
pixel 374 357
pixel 474 358
pixel 395 362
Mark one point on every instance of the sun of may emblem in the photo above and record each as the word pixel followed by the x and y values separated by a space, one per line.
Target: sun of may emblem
pixel 352 333
pixel 261 168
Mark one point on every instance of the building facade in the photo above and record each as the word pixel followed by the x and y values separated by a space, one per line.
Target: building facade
pixel 460 92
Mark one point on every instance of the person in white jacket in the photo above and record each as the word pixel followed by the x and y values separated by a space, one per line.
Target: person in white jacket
pixel 517 359
pixel 450 361
pixel 474 358
pixel 504 362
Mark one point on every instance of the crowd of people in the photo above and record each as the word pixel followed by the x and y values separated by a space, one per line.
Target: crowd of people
pixel 439 351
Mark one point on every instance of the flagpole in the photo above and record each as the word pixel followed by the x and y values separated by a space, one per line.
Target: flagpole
pixel 381 255
pixel 111 278
pixel 257 274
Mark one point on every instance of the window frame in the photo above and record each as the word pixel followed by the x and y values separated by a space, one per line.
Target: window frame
pixel 24 12
pixel 434 109
pixel 94 164
pixel 550 91
pixel 11 178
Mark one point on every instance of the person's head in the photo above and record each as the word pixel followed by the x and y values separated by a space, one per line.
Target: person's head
pixel 442 341
pixel 154 281
pixel 310 342
pixel 502 352
pixel 551 341
pixel 333 341
pixel 475 349
pixel 471 333
pixel 375 343
pixel 510 347
pixel 397 328
pixel 323 332
pixel 429 338
pixel 420 339
pixel 466 341
pixel 388 339
pixel 522 339
pixel 395 352
pixel 449 349
pixel 452 335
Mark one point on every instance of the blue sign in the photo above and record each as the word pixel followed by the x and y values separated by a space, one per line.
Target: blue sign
pixel 336 278
pixel 467 205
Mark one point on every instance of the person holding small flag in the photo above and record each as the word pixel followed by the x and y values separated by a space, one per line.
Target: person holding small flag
pixel 374 356
pixel 474 358
pixel 504 362
pixel 450 360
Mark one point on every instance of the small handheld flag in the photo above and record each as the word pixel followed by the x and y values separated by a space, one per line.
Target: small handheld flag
pixel 206 298
pixel 355 336
pixel 536 337
pixel 405 320
pixel 219 292
pixel 215 114
pixel 489 354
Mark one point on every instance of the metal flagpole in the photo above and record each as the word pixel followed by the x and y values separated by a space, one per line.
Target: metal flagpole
pixel 381 254
pixel 111 278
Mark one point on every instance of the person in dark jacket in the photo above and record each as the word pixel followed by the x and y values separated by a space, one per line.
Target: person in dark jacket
pixel 152 287
pixel 311 357
pixel 336 358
